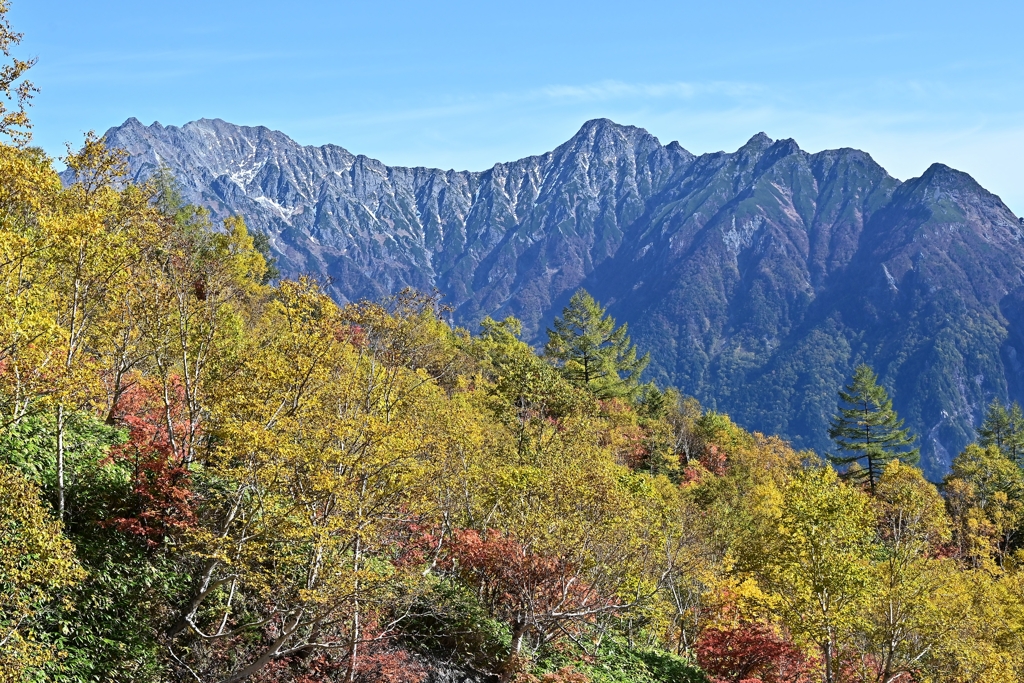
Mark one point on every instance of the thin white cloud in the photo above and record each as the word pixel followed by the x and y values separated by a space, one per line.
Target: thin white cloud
pixel 616 89
pixel 611 90
pixel 898 122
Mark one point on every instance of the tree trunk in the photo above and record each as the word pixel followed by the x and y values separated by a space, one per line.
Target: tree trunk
pixel 269 653
pixel 60 461
pixel 356 560
pixel 354 649
pixel 509 665
pixel 830 675
pixel 205 585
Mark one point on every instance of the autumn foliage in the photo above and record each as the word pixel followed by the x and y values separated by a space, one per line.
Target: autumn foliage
pixel 304 491
pixel 161 502
pixel 534 593
pixel 753 652
pixel 208 475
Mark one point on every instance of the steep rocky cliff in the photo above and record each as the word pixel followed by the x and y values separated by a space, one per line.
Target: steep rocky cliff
pixel 756 279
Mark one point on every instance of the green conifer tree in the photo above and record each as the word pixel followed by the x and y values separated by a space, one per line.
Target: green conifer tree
pixel 994 429
pixel 867 431
pixel 1004 429
pixel 592 352
pixel 1015 445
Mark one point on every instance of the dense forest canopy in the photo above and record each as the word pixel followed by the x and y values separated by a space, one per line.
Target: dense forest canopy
pixel 210 474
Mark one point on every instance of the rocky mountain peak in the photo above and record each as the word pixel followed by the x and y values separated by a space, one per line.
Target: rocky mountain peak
pixel 946 204
pixel 757 143
pixel 757 279
pixel 605 139
pixel 602 127
pixel 943 178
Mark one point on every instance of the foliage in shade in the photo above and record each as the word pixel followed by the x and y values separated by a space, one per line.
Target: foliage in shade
pixel 36 562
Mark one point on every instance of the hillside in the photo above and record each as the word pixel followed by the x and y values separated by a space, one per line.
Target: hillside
pixel 207 476
pixel 757 279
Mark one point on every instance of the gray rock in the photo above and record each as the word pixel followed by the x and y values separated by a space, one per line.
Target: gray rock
pixel 757 279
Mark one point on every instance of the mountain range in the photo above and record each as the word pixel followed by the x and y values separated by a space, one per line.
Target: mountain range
pixel 756 279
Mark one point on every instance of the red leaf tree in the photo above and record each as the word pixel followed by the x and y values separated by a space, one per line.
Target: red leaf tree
pixel 539 596
pixel 752 652
pixel 162 500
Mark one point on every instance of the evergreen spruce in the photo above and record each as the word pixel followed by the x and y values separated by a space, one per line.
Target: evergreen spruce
pixel 1004 429
pixel 1015 446
pixel 995 428
pixel 867 431
pixel 592 352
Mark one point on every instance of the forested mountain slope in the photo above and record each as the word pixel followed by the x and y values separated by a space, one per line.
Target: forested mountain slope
pixel 756 279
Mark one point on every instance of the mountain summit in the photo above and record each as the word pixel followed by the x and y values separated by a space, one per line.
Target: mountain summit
pixel 757 280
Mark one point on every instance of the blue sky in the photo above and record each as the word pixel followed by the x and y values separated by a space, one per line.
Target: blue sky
pixel 467 84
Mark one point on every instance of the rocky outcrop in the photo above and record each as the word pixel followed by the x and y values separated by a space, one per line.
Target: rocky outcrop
pixel 757 279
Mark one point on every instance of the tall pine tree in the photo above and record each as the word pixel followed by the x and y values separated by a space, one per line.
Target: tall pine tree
pixel 1004 429
pixel 592 352
pixel 867 431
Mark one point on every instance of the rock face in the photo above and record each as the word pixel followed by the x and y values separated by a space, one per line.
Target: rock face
pixel 756 279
